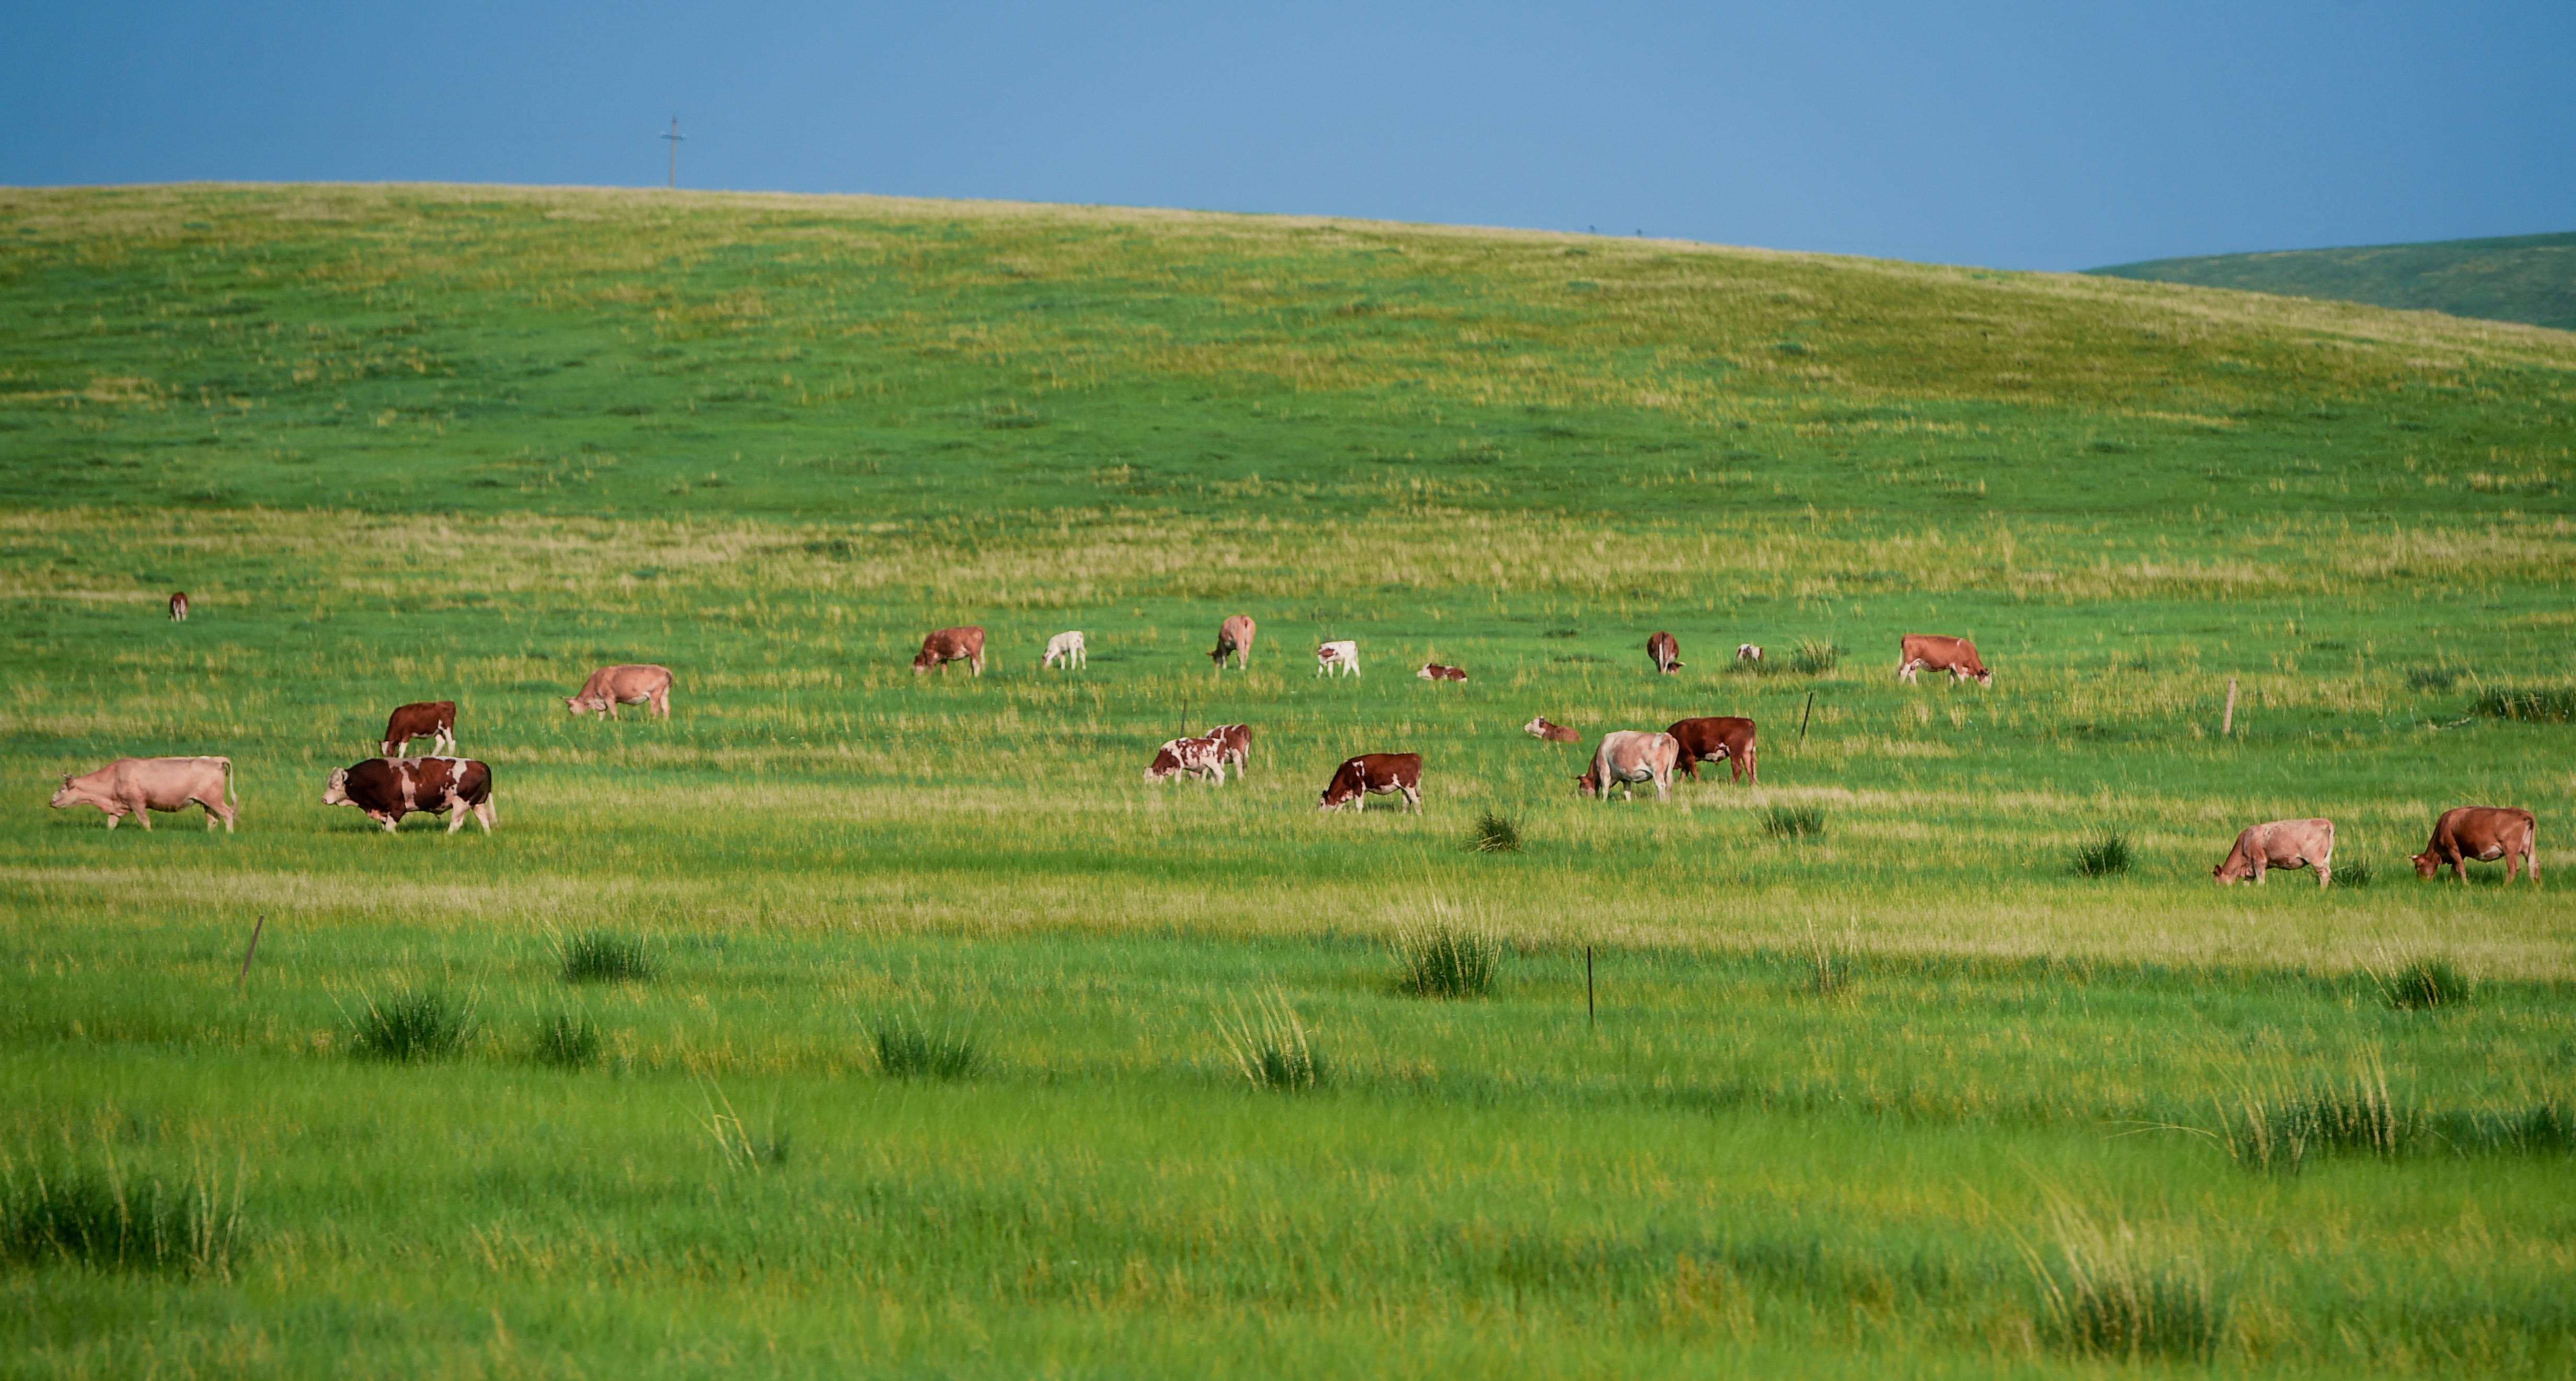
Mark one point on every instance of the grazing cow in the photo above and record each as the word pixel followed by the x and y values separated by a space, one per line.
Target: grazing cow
pixel 179 606
pixel 1719 737
pixel 632 684
pixel 388 789
pixel 1433 671
pixel 1234 639
pixel 1539 727
pixel 2482 833
pixel 1201 757
pixel 951 645
pixel 1337 658
pixel 1666 652
pixel 1957 656
pixel 1747 652
pixel 1627 757
pixel 1067 648
pixel 434 720
pixel 1236 741
pixel 1374 774
pixel 139 786
pixel 2280 844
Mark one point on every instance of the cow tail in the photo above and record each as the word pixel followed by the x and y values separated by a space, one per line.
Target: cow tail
pixel 229 798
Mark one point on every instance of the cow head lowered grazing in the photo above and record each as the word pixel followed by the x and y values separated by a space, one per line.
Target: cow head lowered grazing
pixel 2279 844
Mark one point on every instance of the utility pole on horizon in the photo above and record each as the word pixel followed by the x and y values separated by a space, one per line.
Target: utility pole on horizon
pixel 675 137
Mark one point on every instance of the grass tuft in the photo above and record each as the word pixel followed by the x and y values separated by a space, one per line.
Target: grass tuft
pixel 2280 1135
pixel 2103 857
pixel 2357 873
pixel 2547 705
pixel 1447 961
pixel 2432 678
pixel 598 956
pixel 2427 984
pixel 425 1024
pixel 907 1048
pixel 1816 657
pixel 743 1148
pixel 1271 1046
pixel 1495 834
pixel 96 1216
pixel 1794 822
pixel 567 1040
pixel 2103 1294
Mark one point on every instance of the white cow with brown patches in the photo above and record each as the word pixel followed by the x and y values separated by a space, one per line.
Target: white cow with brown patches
pixel 1339 658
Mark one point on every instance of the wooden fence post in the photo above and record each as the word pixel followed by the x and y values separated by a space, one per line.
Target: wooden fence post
pixel 2227 722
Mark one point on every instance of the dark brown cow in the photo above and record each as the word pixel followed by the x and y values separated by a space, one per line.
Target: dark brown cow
pixel 388 789
pixel 1957 656
pixel 2485 834
pixel 179 606
pixel 1374 774
pixel 430 719
pixel 1666 651
pixel 1716 737
pixel 1433 671
pixel 1539 727
pixel 1234 639
pixel 952 645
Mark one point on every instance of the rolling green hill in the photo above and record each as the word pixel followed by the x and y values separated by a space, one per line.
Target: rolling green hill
pixel 2528 278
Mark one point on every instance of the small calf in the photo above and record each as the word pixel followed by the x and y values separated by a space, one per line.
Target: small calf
pixel 1539 727
pixel 1337 658
pixel 179 606
pixel 1747 652
pixel 1066 648
pixel 1433 671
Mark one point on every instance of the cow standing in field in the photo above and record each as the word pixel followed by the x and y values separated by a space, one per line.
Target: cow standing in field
pixel 1539 727
pixel 139 786
pixel 388 789
pixel 1203 756
pixel 2485 834
pixel 1717 737
pixel 434 720
pixel 1957 656
pixel 1374 774
pixel 1747 652
pixel 1433 671
pixel 179 606
pixel 1665 651
pixel 951 645
pixel 1627 757
pixel 632 684
pixel 2280 844
pixel 1068 649
pixel 1337 658
pixel 1234 639
pixel 1234 746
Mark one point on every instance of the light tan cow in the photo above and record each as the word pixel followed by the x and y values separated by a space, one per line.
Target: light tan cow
pixel 1234 639
pixel 139 786
pixel 632 684
pixel 2280 844
pixel 1627 757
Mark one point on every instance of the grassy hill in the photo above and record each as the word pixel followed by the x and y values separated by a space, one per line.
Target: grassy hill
pixel 2529 278
pixel 1849 1071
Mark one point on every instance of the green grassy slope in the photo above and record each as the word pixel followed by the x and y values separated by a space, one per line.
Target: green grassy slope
pixel 2528 278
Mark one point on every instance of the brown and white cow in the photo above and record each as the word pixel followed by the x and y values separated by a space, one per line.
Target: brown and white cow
pixel 631 684
pixel 1717 737
pixel 1433 671
pixel 178 606
pixel 1666 652
pixel 1957 656
pixel 1374 774
pixel 1234 639
pixel 2483 834
pixel 1337 658
pixel 1204 756
pixel 951 645
pixel 434 720
pixel 1236 741
pixel 139 786
pixel 1540 727
pixel 1066 647
pixel 388 789
pixel 2280 844
pixel 1747 652
pixel 1627 757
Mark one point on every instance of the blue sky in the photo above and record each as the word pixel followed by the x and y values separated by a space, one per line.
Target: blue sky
pixel 2023 135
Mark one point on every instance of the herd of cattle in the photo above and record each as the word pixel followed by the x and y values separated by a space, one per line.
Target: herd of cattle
pixel 391 785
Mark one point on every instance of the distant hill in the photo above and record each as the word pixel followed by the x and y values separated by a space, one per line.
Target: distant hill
pixel 2529 278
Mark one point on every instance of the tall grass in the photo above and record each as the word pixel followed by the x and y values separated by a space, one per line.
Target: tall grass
pixel 1794 823
pixel 421 1024
pixel 2424 985
pixel 566 1040
pixel 2105 856
pixel 96 1214
pixel 1816 657
pixel 1270 1045
pixel 909 1048
pixel 1447 959
pixel 598 956
pixel 2540 705
pixel 1494 833
pixel 2103 1292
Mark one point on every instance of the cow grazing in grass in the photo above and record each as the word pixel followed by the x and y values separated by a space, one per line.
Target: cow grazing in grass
pixel 2280 844
pixel 434 720
pixel 1957 656
pixel 1627 757
pixel 1433 671
pixel 388 789
pixel 1747 652
pixel 1236 747
pixel 2482 834
pixel 632 684
pixel 1712 739
pixel 1337 658
pixel 1234 639
pixel 1666 653
pixel 1066 648
pixel 139 786
pixel 1540 727
pixel 179 606
pixel 951 645
pixel 1204 756
pixel 1374 774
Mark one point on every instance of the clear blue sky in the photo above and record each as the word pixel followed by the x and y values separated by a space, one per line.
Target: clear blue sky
pixel 2026 135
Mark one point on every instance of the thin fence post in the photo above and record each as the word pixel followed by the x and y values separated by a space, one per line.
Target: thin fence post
pixel 256 927
pixel 1591 1010
pixel 2227 722
pixel 1809 714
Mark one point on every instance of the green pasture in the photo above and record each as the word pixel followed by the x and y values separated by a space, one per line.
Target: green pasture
pixel 1902 1091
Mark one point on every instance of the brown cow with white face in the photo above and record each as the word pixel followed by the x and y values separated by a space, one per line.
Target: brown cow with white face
pixel 2485 834
pixel 951 645
pixel 179 606
pixel 1374 774
pixel 1540 727
pixel 632 684
pixel 1666 652
pixel 1234 639
pixel 1957 656
pixel 388 789
pixel 2280 844
pixel 1717 737
pixel 1627 757
pixel 434 720
pixel 1433 671
pixel 139 786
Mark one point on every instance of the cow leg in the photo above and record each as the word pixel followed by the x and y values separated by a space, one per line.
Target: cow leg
pixel 140 810
pixel 483 815
pixel 2325 870
pixel 1413 799
pixel 2261 870
pixel 115 818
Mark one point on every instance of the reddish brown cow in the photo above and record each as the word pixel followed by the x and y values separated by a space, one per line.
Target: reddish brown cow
pixel 179 606
pixel 1374 774
pixel 1957 656
pixel 388 789
pixel 1433 671
pixel 1666 651
pixel 1234 639
pixel 952 645
pixel 1718 737
pixel 139 786
pixel 2280 844
pixel 2483 833
pixel 631 684
pixel 434 720
pixel 1539 727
